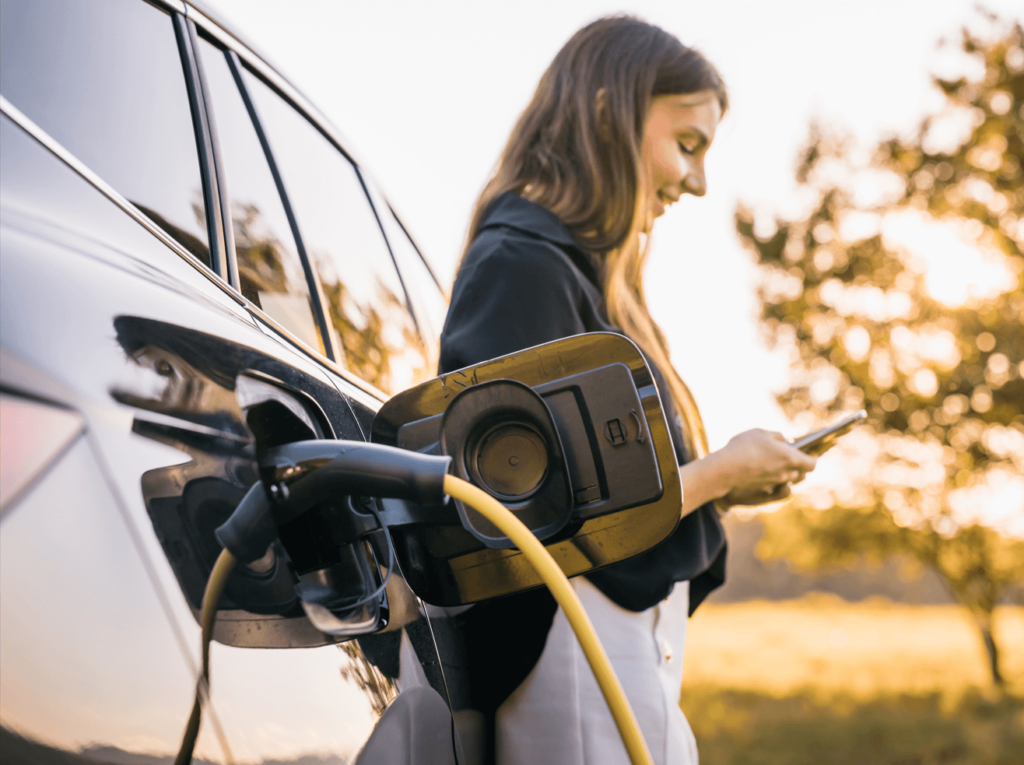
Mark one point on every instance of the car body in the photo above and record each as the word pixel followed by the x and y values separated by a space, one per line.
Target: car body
pixel 194 268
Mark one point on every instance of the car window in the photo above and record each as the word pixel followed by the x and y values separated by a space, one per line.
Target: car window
pixel 106 81
pixel 71 210
pixel 428 301
pixel 270 272
pixel 367 304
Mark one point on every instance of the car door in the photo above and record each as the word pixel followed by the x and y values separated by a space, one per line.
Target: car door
pixel 321 217
pixel 140 378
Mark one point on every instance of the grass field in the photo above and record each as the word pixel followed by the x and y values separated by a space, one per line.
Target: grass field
pixel 819 680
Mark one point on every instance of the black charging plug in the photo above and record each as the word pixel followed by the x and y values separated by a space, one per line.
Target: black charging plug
pixel 302 474
pixel 305 473
pixel 250 529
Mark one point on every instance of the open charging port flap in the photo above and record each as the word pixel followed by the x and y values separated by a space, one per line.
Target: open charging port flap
pixel 570 435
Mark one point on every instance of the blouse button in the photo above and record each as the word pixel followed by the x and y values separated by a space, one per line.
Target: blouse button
pixel 666 650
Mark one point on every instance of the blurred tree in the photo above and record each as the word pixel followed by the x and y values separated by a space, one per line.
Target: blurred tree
pixel 370 350
pixel 260 264
pixel 902 291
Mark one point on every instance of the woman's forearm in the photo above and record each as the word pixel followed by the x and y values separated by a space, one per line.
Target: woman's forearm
pixel 704 480
pixel 755 467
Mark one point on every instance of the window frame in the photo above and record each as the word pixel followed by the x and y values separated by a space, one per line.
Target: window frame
pixel 224 212
pixel 184 31
pixel 188 23
pixel 416 247
pixel 241 55
pixel 176 11
pixel 312 280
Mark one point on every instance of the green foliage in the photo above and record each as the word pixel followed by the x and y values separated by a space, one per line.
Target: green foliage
pixel 977 564
pixel 738 727
pixel 870 321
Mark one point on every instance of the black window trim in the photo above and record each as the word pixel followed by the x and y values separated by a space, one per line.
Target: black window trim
pixel 230 265
pixel 237 65
pixel 221 44
pixel 360 174
pixel 283 88
pixel 391 252
pixel 205 148
pixel 312 281
pixel 169 5
pixel 258 66
pixel 426 263
pixel 224 40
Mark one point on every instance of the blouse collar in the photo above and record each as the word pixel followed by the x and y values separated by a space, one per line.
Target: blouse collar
pixel 513 211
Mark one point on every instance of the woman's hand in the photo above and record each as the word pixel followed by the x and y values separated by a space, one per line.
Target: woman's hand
pixel 755 467
pixel 761 466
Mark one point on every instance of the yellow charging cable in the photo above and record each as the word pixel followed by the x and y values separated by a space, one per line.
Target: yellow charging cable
pixel 541 560
pixel 566 596
pixel 214 587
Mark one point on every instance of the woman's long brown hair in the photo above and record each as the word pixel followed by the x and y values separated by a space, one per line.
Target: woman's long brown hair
pixel 576 151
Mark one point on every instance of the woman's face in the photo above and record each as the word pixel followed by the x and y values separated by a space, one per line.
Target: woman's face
pixel 677 135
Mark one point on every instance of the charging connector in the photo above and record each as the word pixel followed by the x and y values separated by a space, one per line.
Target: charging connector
pixel 351 467
pixel 250 529
pixel 306 473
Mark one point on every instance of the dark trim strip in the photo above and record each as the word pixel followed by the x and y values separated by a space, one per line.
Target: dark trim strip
pixel 316 294
pixel 170 5
pixel 207 163
pixel 258 66
pixel 419 252
pixel 391 252
pixel 230 262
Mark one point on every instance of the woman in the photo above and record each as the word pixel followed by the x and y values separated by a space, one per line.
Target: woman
pixel 617 131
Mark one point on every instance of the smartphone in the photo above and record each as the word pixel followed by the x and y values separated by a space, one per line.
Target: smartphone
pixel 822 440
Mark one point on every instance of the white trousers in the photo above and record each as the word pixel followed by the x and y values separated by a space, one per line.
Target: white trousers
pixel 557 716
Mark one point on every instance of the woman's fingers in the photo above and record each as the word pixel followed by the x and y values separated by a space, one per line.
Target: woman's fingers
pixel 776 493
pixel 801 461
pixel 794 458
pixel 793 476
pixel 759 465
pixel 760 494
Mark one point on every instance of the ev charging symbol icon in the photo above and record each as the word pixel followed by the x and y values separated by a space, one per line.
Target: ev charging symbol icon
pixel 615 432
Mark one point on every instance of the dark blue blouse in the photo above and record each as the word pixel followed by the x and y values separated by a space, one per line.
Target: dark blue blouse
pixel 523 282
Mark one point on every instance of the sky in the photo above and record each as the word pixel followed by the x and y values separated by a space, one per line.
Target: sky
pixel 427 93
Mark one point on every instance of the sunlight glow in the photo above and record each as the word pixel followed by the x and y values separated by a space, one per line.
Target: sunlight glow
pixel 865 300
pixel 857 342
pixel 956 271
pixel 996 501
pixel 910 477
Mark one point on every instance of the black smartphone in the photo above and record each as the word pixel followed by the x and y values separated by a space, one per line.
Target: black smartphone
pixel 822 440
